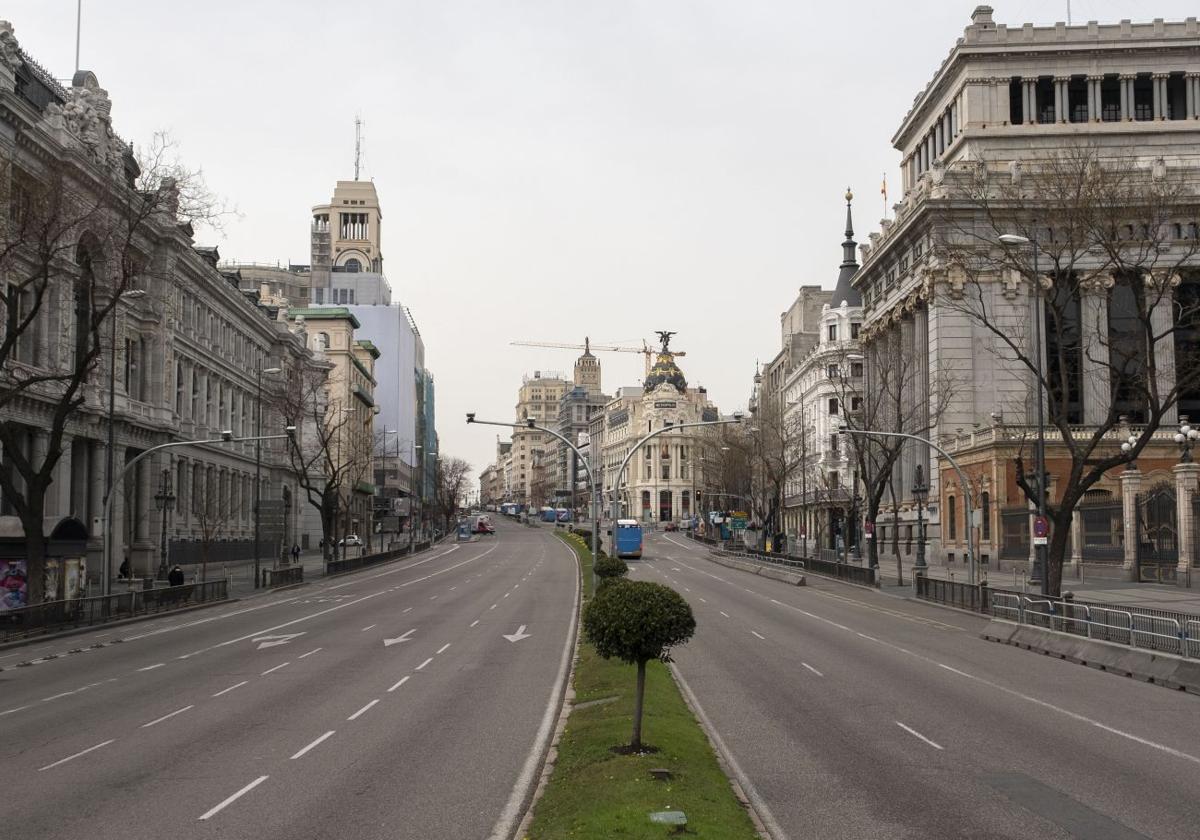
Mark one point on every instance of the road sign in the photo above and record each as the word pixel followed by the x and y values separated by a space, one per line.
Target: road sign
pixel 1041 526
pixel 869 530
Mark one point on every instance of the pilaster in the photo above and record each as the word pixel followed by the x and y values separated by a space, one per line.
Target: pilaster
pixel 1186 476
pixel 1131 485
pixel 1076 541
pixel 1097 393
pixel 1161 285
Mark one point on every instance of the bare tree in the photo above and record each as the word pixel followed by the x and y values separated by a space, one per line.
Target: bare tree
pixel 323 471
pixel 450 488
pixel 72 241
pixel 214 513
pixel 1116 281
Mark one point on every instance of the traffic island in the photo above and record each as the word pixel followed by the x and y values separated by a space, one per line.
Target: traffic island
pixel 597 789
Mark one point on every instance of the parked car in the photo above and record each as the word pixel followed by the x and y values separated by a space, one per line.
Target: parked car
pixel 672 526
pixel 352 540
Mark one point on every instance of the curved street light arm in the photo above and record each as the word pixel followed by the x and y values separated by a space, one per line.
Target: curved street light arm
pixel 106 565
pixel 971 568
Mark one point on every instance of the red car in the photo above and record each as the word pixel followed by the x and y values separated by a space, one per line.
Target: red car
pixel 484 526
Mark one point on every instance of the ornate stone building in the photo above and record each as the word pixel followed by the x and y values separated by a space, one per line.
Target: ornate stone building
pixel 1003 102
pixel 188 344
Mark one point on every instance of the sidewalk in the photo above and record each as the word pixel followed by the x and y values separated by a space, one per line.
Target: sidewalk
pixel 1145 595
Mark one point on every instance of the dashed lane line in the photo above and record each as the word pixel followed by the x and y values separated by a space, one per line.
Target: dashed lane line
pixel 401 682
pixel 73 757
pixel 231 688
pixel 216 809
pixel 276 668
pixel 363 710
pixel 311 652
pixel 811 668
pixel 423 664
pixel 917 734
pixel 167 716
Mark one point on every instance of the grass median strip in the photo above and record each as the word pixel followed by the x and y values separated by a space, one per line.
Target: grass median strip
pixel 595 792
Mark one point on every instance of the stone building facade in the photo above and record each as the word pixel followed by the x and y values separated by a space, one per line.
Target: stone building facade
pixel 189 345
pixel 1004 99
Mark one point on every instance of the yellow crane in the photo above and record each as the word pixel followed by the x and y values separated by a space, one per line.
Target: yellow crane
pixel 587 346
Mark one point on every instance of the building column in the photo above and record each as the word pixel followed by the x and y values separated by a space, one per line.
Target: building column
pixel 119 513
pixel 1185 487
pixel 96 481
pixel 144 483
pixel 1060 100
pixel 60 488
pixel 1192 89
pixel 1161 322
pixel 1076 541
pixel 1097 393
pixel 1131 485
pixel 1126 85
pixel 1095 99
pixel 1028 101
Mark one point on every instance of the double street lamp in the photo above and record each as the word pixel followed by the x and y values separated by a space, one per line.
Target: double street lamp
pixel 920 494
pixel 164 501
pixel 132 294
pixel 258 462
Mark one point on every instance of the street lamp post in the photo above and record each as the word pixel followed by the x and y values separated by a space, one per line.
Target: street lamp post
pixel 920 493
pixel 164 500
pixel 962 478
pixel 1039 564
pixel 258 462
pixel 106 513
pixel 132 294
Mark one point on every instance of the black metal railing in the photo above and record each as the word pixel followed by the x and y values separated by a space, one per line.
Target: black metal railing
pixel 53 616
pixel 862 575
pixel 349 564
pixel 953 594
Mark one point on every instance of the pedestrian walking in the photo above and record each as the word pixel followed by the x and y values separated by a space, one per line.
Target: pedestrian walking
pixel 124 570
pixel 295 553
pixel 175 576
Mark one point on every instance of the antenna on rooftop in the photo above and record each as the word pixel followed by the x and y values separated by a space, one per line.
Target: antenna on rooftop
pixel 78 24
pixel 1068 12
pixel 357 143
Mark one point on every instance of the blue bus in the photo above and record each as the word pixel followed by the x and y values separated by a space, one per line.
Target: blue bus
pixel 627 538
pixel 563 514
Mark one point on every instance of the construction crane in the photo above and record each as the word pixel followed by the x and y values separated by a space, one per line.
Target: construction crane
pixel 587 346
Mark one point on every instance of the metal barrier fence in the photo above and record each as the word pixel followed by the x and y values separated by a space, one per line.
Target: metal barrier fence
pixel 952 593
pixel 1161 630
pixel 336 567
pixel 84 612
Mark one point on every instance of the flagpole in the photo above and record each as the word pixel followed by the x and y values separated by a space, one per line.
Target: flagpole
pixel 78 24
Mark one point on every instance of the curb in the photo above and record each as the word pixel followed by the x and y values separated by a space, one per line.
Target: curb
pixel 1150 666
pixel 794 578
pixel 564 713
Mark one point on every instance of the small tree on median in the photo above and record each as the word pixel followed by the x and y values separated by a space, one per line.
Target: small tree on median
pixel 610 568
pixel 636 621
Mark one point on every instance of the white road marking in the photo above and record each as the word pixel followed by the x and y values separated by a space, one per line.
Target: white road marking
pixel 10 711
pixel 221 805
pixel 492 607
pixel 402 681
pixel 685 589
pixel 811 668
pixel 165 717
pixel 442 649
pixel 432 597
pixel 423 664
pixel 917 734
pixel 81 752
pixel 152 667
pixel 363 709
pixel 310 653
pixel 276 668
pixel 231 688
pixel 756 633
pixel 865 636
pixel 705 600
pixel 365 629
pixel 506 594
pixel 406 609
pixel 724 613
pixel 473 623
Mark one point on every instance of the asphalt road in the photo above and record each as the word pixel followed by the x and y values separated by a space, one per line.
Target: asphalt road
pixel 292 716
pixel 852 714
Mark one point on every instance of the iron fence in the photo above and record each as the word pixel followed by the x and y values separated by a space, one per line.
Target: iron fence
pixel 283 576
pixel 966 596
pixel 53 616
pixel 349 564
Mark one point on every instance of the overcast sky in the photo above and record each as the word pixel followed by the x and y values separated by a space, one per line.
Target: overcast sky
pixel 547 170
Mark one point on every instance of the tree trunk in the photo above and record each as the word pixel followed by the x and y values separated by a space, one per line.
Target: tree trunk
pixel 896 532
pixel 1056 551
pixel 35 556
pixel 635 743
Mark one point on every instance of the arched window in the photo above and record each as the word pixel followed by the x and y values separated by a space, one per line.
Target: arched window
pixel 951 519
pixel 322 341
pixel 179 388
pixel 353 266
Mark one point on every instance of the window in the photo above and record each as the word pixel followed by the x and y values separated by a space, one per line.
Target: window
pixel 1077 99
pixel 831 371
pixel 1175 105
pixel 834 480
pixel 1044 97
pixel 951 517
pixel 319 296
pixel 834 443
pixel 833 407
pixel 1016 108
pixel 195 413
pixel 856 368
pixel 833 332
pixel 854 328
pixel 1110 98
pixel 179 389
pixel 353 266
pixel 1143 97
pixel 856 403
pixel 985 503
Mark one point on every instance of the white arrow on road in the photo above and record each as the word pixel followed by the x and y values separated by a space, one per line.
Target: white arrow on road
pixel 519 635
pixel 272 641
pixel 399 639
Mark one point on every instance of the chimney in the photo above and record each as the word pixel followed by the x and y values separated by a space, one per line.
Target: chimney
pixel 982 17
